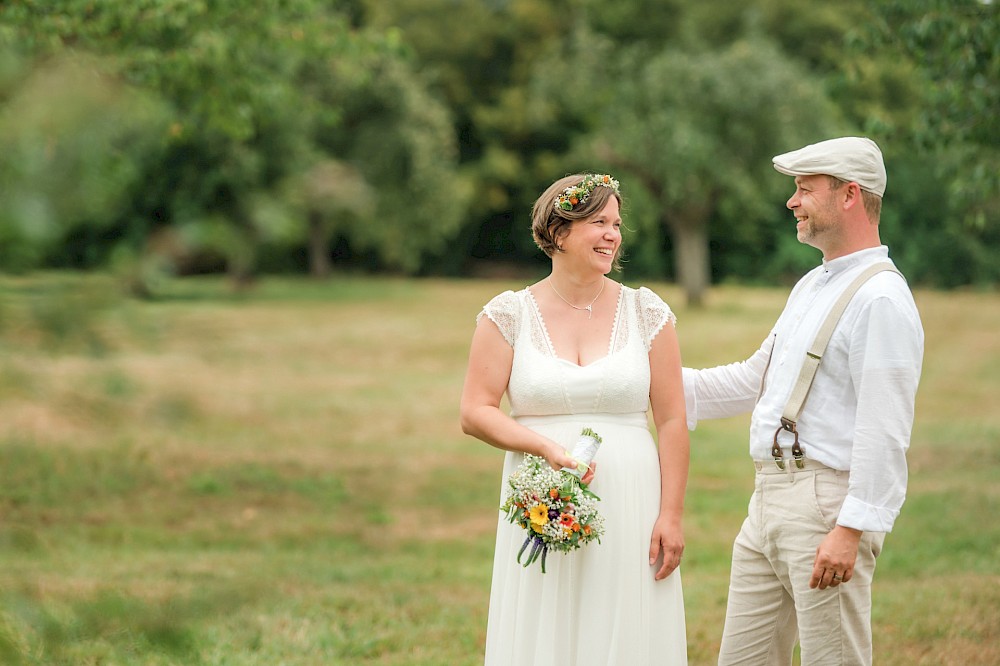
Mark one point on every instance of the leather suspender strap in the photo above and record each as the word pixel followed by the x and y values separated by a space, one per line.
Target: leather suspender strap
pixel 797 399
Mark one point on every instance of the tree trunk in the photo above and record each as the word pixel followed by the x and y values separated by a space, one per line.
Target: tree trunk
pixel 319 247
pixel 691 259
pixel 241 260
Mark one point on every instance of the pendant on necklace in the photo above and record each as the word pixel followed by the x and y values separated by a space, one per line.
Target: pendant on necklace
pixel 590 311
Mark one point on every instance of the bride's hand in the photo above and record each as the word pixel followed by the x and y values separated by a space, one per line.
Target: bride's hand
pixel 667 542
pixel 589 475
pixel 558 457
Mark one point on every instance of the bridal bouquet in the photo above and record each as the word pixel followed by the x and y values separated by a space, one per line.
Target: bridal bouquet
pixel 553 506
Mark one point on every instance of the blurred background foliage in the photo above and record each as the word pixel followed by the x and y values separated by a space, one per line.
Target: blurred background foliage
pixel 152 138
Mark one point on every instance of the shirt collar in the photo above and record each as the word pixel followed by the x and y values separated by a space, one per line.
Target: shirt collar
pixel 861 257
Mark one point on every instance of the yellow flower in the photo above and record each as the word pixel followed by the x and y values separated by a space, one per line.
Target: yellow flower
pixel 539 514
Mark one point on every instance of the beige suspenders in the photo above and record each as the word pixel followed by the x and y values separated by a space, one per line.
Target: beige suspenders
pixel 797 400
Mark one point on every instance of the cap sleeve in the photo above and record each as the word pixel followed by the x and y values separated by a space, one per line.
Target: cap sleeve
pixel 504 310
pixel 653 314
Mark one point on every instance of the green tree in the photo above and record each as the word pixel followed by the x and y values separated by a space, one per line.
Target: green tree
pixel 698 130
pixel 74 143
pixel 401 141
pixel 259 95
pixel 482 57
pixel 328 197
pixel 949 153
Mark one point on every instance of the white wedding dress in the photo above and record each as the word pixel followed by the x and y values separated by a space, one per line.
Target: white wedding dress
pixel 598 605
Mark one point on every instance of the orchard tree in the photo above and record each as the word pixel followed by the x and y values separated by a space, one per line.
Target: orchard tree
pixel 329 197
pixel 698 130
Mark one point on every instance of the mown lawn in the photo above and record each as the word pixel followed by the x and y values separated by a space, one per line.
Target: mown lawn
pixel 278 477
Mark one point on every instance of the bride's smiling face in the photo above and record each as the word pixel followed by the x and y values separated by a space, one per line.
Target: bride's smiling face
pixel 595 240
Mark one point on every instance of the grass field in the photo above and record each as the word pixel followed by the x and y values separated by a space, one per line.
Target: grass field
pixel 278 477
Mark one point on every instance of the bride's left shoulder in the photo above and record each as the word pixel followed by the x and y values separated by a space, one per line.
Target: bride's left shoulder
pixel 646 296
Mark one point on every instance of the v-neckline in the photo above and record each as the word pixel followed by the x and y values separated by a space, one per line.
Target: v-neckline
pixel 548 340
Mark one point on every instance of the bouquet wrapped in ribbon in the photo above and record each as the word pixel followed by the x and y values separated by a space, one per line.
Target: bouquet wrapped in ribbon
pixel 553 506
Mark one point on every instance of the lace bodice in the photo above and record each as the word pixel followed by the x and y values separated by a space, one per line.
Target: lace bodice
pixel 542 384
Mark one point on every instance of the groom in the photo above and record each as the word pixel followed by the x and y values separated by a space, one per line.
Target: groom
pixel 829 483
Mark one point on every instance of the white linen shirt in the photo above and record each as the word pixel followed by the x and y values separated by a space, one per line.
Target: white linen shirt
pixel 859 412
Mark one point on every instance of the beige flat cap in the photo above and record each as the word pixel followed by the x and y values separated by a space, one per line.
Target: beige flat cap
pixel 851 158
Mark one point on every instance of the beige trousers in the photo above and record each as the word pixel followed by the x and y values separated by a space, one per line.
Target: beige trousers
pixel 770 604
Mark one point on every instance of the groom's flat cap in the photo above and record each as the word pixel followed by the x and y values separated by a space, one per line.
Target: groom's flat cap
pixel 850 158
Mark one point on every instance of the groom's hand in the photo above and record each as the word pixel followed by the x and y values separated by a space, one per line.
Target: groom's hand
pixel 835 558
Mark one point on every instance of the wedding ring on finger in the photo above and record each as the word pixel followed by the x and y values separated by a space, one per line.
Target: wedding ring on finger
pixel 837 577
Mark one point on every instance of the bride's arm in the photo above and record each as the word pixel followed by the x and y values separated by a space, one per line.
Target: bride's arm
pixel 666 396
pixel 490 362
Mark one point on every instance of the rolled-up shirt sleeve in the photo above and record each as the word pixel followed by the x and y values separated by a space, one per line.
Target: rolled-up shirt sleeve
pixel 885 363
pixel 726 390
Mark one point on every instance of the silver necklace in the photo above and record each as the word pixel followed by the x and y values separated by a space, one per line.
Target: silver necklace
pixel 588 308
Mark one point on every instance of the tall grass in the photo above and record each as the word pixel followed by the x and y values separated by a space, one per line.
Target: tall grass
pixel 278 477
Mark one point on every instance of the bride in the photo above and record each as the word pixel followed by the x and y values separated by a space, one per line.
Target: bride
pixel 576 350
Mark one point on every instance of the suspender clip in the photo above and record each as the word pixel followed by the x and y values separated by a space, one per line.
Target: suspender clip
pixel 776 452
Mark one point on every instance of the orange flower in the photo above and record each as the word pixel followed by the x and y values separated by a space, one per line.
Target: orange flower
pixel 554 493
pixel 586 530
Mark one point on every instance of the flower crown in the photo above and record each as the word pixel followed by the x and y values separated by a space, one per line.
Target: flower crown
pixel 578 194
